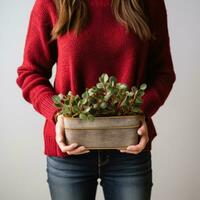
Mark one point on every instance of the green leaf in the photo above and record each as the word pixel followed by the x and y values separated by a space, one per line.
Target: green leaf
pixel 99 85
pixel 107 97
pixel 76 98
pixel 69 93
pixel 136 109
pixel 140 93
pixel 84 101
pixel 91 117
pixel 103 105
pixel 75 109
pixel 61 96
pixel 95 89
pixel 112 79
pixel 105 78
pixel 91 91
pixel 59 105
pixel 110 91
pixel 79 103
pixel 130 94
pixel 66 101
pixel 95 106
pixel 85 94
pixel 87 109
pixel 56 99
pixel 83 116
pixel 143 86
pixel 138 100
pixel 121 86
pixel 66 109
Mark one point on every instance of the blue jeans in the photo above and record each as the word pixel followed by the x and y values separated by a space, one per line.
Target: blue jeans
pixel 123 176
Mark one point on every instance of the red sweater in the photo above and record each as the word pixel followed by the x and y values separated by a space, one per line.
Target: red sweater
pixel 103 46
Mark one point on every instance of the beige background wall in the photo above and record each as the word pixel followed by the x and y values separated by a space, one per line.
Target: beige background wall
pixel 175 153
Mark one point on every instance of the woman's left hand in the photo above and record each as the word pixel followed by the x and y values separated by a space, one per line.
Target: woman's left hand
pixel 143 132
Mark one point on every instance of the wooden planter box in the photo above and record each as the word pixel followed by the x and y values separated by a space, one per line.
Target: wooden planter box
pixel 110 132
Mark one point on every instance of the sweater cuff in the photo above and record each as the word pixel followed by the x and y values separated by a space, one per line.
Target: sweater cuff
pixel 46 107
pixel 151 103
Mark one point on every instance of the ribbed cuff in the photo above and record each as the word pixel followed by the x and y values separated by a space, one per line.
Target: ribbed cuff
pixel 46 107
pixel 151 102
pixel 51 148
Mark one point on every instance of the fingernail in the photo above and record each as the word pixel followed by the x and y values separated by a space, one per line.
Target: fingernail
pixel 139 132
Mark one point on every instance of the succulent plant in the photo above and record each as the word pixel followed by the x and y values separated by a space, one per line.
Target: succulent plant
pixel 107 98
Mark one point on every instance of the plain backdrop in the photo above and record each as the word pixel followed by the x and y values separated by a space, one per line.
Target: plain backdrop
pixel 175 151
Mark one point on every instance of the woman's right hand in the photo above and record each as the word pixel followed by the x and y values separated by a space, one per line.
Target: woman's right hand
pixel 60 139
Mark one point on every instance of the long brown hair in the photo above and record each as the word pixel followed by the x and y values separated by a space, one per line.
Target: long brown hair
pixel 74 14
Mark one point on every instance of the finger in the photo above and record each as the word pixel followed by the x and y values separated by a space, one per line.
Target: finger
pixel 120 149
pixel 140 146
pixel 61 141
pixel 60 118
pixel 59 133
pixel 131 152
pixel 141 130
pixel 83 152
pixel 142 143
pixel 60 138
pixel 70 147
pixel 77 150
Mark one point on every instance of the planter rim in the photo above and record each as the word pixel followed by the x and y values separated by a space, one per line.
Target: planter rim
pixel 120 116
pixel 106 127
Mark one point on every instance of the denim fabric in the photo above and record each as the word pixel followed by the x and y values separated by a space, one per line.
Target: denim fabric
pixel 123 176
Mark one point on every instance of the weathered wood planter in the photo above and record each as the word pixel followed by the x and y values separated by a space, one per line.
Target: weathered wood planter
pixel 109 132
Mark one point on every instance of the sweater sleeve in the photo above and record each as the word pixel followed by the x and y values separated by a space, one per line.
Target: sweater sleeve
pixel 38 59
pixel 160 74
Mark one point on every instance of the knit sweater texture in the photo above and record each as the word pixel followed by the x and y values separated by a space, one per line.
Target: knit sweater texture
pixel 103 46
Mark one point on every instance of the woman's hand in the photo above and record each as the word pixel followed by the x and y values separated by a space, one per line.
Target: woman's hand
pixel 60 139
pixel 143 132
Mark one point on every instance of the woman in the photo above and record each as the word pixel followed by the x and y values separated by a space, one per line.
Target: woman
pixel 128 39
